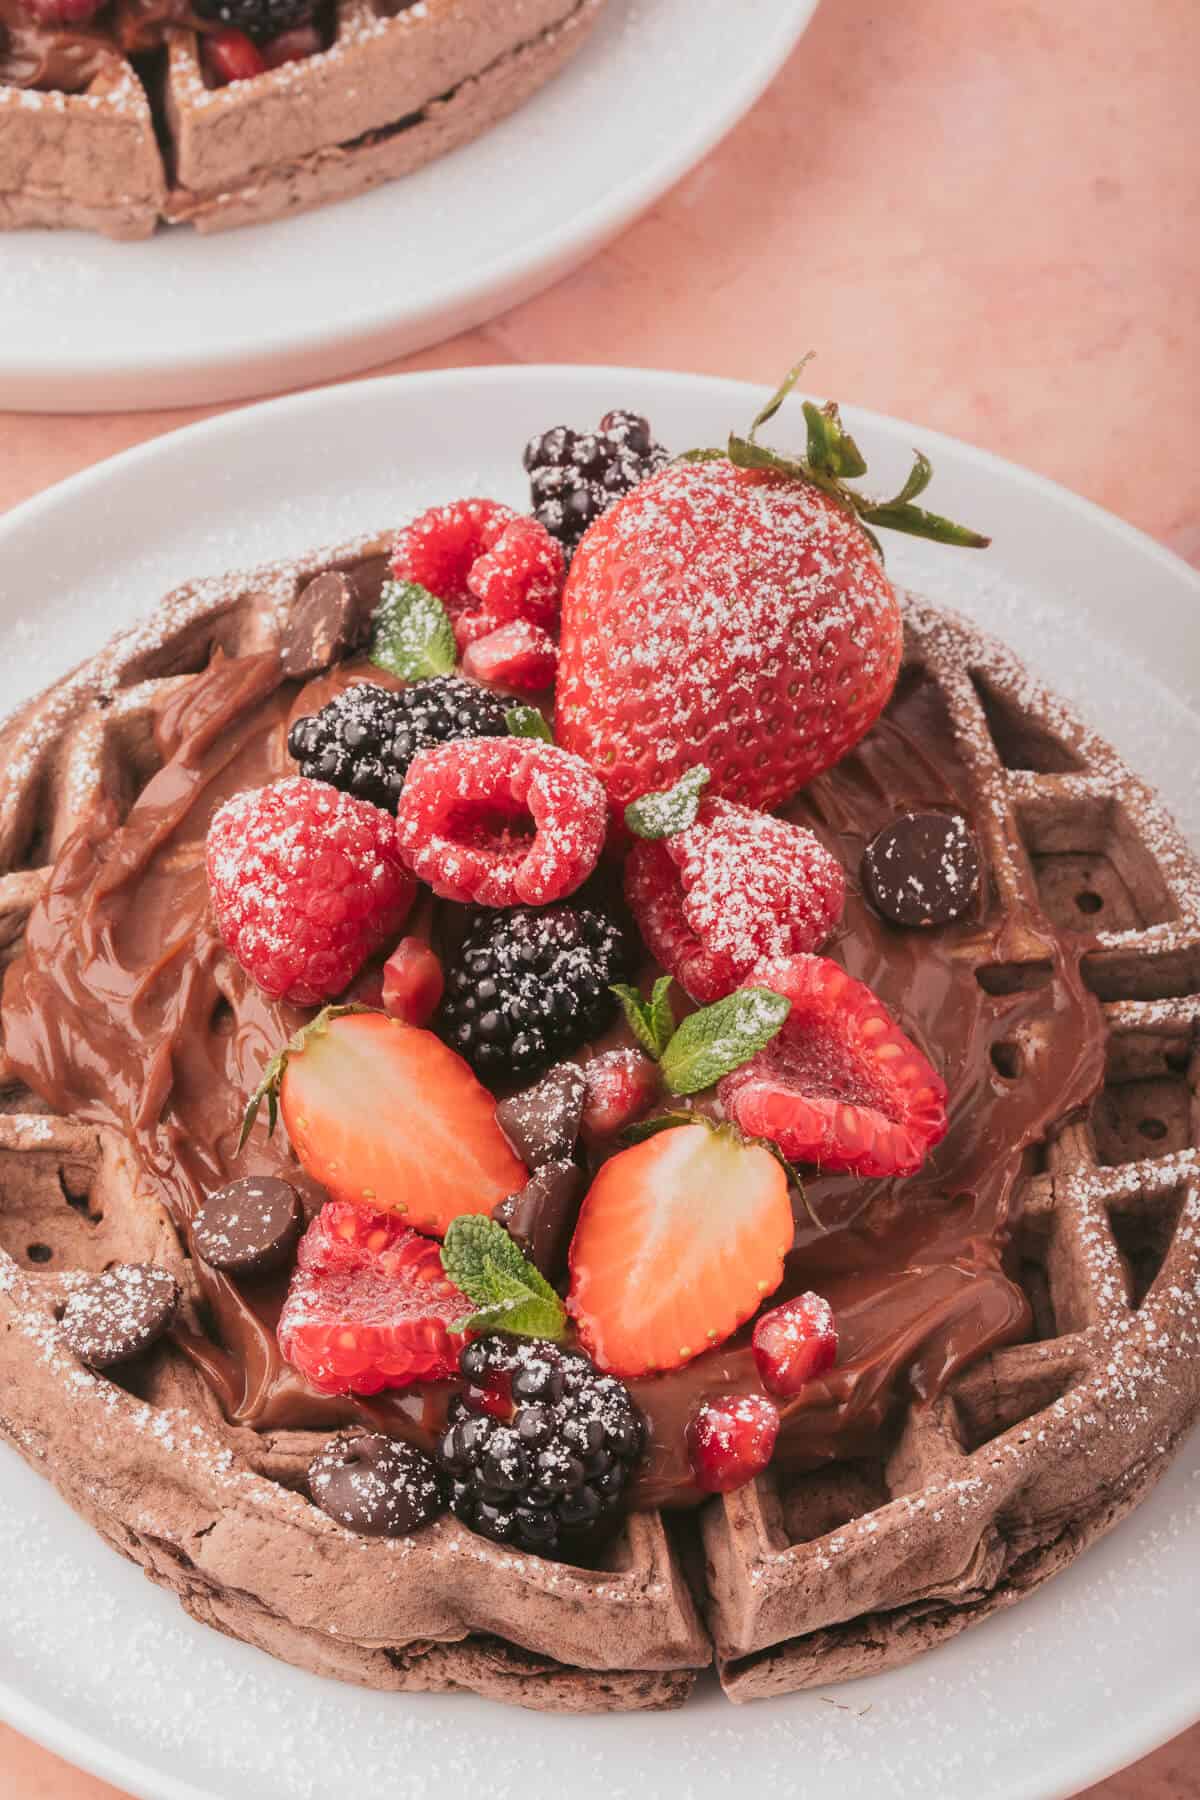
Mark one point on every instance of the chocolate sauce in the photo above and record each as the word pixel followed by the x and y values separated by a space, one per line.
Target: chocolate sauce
pixel 124 1010
pixel 67 59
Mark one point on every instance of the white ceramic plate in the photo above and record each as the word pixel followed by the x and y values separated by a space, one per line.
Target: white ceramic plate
pixel 87 325
pixel 1095 1669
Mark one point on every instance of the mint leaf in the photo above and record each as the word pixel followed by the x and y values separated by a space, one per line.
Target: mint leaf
pixel 413 636
pixel 652 1021
pixel 511 1295
pixel 527 722
pixel 660 815
pixel 722 1037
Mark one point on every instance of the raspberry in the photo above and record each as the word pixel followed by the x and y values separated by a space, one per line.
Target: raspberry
pixel 369 1305
pixel 487 564
pixel 259 19
pixel 574 476
pixel 794 1343
pixel 500 821
pixel 540 1446
pixel 732 888
pixel 520 656
pixel 730 1440
pixel 529 987
pixel 306 884
pixel 365 738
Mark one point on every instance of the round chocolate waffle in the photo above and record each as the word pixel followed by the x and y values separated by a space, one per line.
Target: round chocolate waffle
pixel 972 1489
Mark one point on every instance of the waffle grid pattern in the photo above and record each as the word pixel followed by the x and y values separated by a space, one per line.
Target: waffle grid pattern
pixel 985 1492
pixel 396 87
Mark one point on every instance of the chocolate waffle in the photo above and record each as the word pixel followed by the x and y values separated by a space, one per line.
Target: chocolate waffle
pixel 115 139
pixel 987 1472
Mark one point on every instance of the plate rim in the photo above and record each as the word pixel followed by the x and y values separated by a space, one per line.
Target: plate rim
pixel 354 341
pixel 1069 1770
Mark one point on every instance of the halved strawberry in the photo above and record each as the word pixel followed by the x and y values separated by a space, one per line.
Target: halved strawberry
pixel 678 1242
pixel 369 1305
pixel 388 1117
pixel 840 1085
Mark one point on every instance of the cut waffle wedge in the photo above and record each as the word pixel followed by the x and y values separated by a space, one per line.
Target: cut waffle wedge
pixel 973 1498
pixel 396 87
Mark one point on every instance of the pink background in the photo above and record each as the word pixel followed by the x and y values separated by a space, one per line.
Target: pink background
pixel 985 216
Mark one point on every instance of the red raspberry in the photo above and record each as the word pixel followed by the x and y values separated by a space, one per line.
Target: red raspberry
pixel 230 55
pixel 620 1085
pixel 520 656
pixel 412 982
pixel 369 1305
pixel 840 1086
pixel 487 564
pixel 501 821
pixel 794 1343
pixel 306 883
pixel 730 1440
pixel 732 888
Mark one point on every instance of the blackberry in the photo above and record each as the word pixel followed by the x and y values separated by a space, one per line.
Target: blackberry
pixel 574 476
pixel 529 986
pixel 539 1447
pixel 365 738
pixel 259 19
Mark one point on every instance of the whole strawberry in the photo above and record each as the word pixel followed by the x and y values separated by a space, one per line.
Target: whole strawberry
pixel 733 611
pixel 306 883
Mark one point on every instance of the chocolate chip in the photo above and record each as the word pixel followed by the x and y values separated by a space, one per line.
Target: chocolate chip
pixel 542 1216
pixel 326 620
pixel 923 869
pixel 542 1123
pixel 120 1313
pixel 375 1485
pixel 250 1227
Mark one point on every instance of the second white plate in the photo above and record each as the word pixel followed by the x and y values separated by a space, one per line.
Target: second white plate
pixel 87 325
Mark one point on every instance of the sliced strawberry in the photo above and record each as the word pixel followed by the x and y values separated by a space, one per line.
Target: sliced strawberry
pixel 678 1242
pixel 730 1440
pixel 519 655
pixel 840 1086
pixel 794 1343
pixel 413 982
pixel 621 1086
pixel 369 1305
pixel 388 1117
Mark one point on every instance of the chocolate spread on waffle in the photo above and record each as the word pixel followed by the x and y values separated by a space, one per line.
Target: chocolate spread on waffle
pixel 123 1009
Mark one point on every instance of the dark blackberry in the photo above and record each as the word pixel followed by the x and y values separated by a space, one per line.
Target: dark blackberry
pixel 530 985
pixel 574 476
pixel 259 19
pixel 539 1447
pixel 365 738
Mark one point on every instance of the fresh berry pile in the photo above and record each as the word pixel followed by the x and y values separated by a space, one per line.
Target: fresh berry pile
pixel 540 1445
pixel 726 633
pixel 574 476
pixel 364 739
pixel 260 20
pixel 529 987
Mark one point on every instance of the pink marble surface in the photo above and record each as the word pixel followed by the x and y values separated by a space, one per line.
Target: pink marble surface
pixel 985 217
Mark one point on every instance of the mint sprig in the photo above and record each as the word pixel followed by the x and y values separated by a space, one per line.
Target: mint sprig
pixel 509 1293
pixel 652 1021
pixel 662 814
pixel 719 1038
pixel 412 635
pixel 528 722
pixel 831 459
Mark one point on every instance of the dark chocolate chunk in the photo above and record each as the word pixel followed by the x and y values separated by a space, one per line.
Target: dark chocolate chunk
pixel 923 869
pixel 250 1227
pixel 376 1485
pixel 120 1313
pixel 542 1123
pixel 541 1218
pixel 327 619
